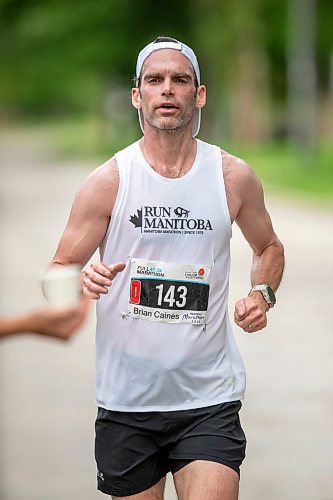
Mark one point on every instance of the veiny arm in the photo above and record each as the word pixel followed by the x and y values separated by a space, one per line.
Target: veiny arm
pixel 86 228
pixel 247 208
pixel 256 226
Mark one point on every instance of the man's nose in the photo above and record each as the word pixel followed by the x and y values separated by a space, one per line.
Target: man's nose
pixel 167 87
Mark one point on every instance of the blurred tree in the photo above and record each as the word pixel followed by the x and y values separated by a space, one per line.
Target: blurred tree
pixel 236 68
pixel 302 78
pixel 60 55
pixel 324 67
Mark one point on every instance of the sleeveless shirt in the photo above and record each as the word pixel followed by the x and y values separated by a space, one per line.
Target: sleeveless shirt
pixel 164 340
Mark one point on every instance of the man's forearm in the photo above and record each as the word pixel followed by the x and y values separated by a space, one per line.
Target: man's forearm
pixel 268 266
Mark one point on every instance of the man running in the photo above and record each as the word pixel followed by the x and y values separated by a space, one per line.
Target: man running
pixel 170 379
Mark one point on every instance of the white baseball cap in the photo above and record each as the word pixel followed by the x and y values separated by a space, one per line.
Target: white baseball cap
pixel 187 52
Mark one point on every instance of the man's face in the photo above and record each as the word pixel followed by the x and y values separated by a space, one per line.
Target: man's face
pixel 167 95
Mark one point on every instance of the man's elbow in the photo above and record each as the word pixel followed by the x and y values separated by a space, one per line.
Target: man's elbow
pixel 274 246
pixel 279 248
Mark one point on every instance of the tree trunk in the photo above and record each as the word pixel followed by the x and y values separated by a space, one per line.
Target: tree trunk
pixel 301 72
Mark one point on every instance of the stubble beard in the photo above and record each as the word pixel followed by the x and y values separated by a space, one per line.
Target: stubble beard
pixel 172 124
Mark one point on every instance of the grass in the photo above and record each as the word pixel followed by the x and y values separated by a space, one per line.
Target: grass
pixel 86 137
pixel 284 169
pixel 291 170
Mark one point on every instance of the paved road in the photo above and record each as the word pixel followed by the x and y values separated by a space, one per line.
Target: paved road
pixel 47 396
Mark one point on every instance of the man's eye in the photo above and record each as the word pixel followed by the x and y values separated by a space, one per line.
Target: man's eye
pixel 181 80
pixel 152 80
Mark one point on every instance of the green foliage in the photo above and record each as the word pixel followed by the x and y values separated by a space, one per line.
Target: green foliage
pixel 57 55
pixel 63 58
pixel 292 171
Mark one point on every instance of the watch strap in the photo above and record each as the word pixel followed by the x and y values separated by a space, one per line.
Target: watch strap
pixel 266 292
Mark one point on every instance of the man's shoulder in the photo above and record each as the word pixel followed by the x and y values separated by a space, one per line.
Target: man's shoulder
pixel 105 171
pixel 110 167
pixel 106 175
pixel 236 168
pixel 241 182
pixel 102 179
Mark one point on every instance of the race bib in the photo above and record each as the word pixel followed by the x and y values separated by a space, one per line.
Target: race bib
pixel 172 293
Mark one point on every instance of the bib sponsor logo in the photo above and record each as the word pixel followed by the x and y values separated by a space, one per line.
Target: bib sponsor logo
pixel 200 274
pixel 169 220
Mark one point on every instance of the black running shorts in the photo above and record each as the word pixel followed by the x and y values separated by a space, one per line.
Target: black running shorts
pixel 134 450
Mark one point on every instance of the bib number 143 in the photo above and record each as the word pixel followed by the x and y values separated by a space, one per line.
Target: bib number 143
pixel 173 295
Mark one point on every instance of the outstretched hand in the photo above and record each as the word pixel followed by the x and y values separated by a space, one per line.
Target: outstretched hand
pixel 59 323
pixel 250 313
pixel 98 278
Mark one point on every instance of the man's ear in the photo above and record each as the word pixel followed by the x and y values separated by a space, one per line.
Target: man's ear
pixel 136 100
pixel 201 96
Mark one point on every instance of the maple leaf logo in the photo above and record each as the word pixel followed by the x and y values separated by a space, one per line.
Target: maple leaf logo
pixel 137 219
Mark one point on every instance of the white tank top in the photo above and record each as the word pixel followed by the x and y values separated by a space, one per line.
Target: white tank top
pixel 164 339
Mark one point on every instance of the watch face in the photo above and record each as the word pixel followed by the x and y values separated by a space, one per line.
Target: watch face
pixel 271 295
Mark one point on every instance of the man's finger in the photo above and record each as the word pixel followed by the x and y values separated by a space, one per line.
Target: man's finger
pixel 240 310
pixel 116 268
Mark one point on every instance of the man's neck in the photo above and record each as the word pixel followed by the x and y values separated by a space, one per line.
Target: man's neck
pixel 170 155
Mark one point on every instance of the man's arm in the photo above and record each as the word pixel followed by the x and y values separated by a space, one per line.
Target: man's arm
pixel 87 226
pixel 247 208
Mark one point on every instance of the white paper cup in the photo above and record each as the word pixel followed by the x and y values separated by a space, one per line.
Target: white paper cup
pixel 61 285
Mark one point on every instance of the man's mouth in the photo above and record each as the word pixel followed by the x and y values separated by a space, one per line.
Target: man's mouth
pixel 167 106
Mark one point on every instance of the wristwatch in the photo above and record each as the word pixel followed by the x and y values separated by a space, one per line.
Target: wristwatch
pixel 267 293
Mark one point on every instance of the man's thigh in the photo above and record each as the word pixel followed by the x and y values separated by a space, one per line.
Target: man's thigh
pixel 202 480
pixel 156 492
pixel 129 461
pixel 215 435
